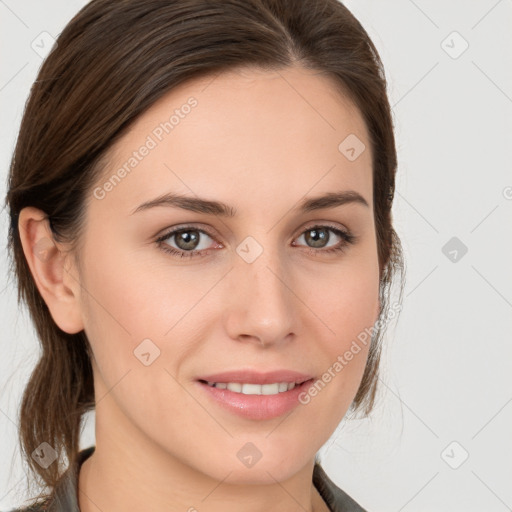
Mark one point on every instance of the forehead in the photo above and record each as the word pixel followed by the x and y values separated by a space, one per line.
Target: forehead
pixel 247 135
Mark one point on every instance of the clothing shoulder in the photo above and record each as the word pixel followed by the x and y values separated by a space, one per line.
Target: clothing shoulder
pixel 337 500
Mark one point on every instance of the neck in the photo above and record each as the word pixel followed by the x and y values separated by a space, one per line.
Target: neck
pixel 104 486
pixel 127 471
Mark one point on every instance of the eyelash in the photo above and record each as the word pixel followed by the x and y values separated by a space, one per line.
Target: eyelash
pixel 347 239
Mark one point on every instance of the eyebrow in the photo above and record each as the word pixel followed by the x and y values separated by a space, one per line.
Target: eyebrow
pixel 209 207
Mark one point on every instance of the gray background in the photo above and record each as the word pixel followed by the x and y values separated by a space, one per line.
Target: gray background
pixel 446 385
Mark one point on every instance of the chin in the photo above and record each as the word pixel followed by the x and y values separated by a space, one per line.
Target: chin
pixel 267 469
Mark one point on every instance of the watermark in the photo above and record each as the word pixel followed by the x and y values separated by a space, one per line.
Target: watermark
pixel 343 360
pixel 249 249
pixel 43 248
pixel 351 147
pixel 455 455
pixel 146 352
pixel 455 249
pixel 44 455
pixel 249 454
pixel 454 45
pixel 43 44
pixel 152 140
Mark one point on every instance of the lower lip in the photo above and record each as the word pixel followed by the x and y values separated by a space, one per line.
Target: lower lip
pixel 257 407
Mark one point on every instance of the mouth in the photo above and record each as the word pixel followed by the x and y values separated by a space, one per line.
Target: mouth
pixel 255 401
pixel 251 388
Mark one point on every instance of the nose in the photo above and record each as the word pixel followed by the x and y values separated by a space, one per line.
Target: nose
pixel 262 306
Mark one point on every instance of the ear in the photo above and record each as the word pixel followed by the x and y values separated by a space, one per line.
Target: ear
pixel 53 270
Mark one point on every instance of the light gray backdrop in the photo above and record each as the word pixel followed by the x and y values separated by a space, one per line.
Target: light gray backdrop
pixel 440 438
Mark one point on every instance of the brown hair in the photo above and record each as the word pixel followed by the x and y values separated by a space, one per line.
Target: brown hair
pixel 112 61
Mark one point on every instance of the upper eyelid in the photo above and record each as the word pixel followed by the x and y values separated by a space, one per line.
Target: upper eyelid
pixel 173 231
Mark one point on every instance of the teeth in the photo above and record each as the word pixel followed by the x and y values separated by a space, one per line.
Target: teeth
pixel 254 389
pixel 235 386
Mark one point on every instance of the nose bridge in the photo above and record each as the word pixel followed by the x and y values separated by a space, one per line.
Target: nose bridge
pixel 261 305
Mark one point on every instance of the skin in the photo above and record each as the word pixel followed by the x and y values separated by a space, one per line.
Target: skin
pixel 259 141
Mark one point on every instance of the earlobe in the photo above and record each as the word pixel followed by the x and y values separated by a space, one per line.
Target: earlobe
pixel 49 265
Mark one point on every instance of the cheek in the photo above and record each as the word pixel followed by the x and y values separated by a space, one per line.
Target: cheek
pixel 348 308
pixel 129 311
pixel 129 297
pixel 140 312
pixel 347 301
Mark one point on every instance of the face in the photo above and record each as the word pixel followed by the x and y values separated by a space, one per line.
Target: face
pixel 179 290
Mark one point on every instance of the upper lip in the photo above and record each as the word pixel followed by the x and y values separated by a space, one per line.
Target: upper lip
pixel 253 377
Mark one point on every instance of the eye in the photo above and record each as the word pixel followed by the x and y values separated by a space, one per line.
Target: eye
pixel 189 243
pixel 319 236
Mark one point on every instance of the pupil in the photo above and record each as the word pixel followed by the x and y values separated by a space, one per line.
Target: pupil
pixel 186 241
pixel 317 236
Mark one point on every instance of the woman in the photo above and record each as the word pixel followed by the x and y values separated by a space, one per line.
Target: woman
pixel 200 199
